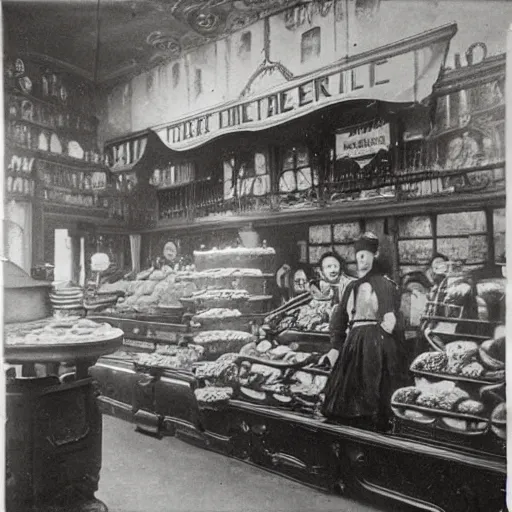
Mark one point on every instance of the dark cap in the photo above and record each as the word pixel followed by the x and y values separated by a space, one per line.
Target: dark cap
pixel 367 242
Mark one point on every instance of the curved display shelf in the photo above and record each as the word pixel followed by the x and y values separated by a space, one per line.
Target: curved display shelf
pixel 62 352
pixel 457 378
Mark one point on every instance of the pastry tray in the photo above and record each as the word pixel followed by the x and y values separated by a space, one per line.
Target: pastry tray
pixel 159 371
pixel 439 412
pixel 456 378
pixel 198 304
pixel 296 402
pixel 280 364
pixel 235 323
pixel 62 351
pixel 128 321
pixel 499 423
pixel 253 284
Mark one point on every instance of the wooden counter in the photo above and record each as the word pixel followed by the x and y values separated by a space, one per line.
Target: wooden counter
pixel 381 467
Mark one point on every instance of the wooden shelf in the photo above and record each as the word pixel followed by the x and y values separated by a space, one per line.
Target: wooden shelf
pixel 59 129
pixel 59 106
pixel 20 197
pixel 56 157
pixel 20 174
pixel 74 191
pixel 379 207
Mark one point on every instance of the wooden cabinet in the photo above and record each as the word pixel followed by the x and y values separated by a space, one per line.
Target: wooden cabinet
pixel 53 452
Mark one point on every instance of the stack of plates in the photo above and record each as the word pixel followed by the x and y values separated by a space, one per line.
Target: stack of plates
pixel 70 297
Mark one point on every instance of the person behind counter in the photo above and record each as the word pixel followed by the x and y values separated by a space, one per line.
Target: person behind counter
pixel 333 280
pixel 365 333
pixel 293 282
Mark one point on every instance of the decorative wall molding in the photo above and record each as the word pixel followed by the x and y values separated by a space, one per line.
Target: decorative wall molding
pixel 267 66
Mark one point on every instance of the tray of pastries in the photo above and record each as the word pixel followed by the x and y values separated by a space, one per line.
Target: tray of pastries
pixel 266 383
pixel 461 361
pixel 215 298
pixel 444 404
pixel 59 340
pixel 280 356
pixel 172 357
pixel 499 420
pixel 213 396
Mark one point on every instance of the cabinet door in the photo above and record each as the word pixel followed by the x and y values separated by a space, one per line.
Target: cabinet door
pixel 67 443
pixel 294 451
pixel 429 482
pixel 175 399
pixel 144 393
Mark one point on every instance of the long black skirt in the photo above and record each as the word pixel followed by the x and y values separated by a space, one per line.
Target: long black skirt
pixel 364 376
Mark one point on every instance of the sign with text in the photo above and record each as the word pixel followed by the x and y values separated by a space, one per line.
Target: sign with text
pixel 402 72
pixel 363 140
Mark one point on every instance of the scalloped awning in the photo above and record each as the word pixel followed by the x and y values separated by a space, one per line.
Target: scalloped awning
pixel 402 72
pixel 136 152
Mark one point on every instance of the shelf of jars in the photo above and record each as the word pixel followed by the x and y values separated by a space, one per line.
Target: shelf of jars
pixel 19 177
pixel 43 114
pixel 54 182
pixel 34 79
pixel 48 118
pixel 20 139
pixel 19 185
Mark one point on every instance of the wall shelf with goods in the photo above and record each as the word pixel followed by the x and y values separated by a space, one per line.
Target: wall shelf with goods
pixel 35 79
pixel 36 174
pixel 38 113
pixel 51 142
pixel 50 147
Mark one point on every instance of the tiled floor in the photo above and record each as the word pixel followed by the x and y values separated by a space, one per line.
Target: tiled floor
pixel 142 474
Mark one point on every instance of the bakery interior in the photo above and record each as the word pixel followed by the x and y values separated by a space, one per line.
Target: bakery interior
pixel 188 188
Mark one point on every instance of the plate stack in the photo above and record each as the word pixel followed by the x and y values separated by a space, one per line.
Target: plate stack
pixel 67 298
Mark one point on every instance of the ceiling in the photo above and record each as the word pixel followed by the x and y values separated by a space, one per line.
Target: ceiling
pixel 133 34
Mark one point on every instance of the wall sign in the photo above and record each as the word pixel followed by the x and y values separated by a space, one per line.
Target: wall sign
pixel 363 140
pixel 401 72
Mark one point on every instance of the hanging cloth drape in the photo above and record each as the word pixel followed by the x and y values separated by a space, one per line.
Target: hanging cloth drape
pixel 81 277
pixel 135 252
pixel 19 234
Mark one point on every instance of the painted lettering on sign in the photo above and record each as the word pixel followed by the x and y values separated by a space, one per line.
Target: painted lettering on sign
pixel 404 73
pixel 363 140
pixel 274 105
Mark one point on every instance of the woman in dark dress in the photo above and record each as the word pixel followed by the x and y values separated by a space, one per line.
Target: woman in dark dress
pixel 367 342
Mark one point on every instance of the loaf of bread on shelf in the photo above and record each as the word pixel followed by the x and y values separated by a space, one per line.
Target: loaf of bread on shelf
pixel 492 353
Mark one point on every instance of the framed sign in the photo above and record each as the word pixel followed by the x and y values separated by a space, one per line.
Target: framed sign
pixel 363 140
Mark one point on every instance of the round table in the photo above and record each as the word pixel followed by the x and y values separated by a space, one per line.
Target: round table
pixel 53 428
